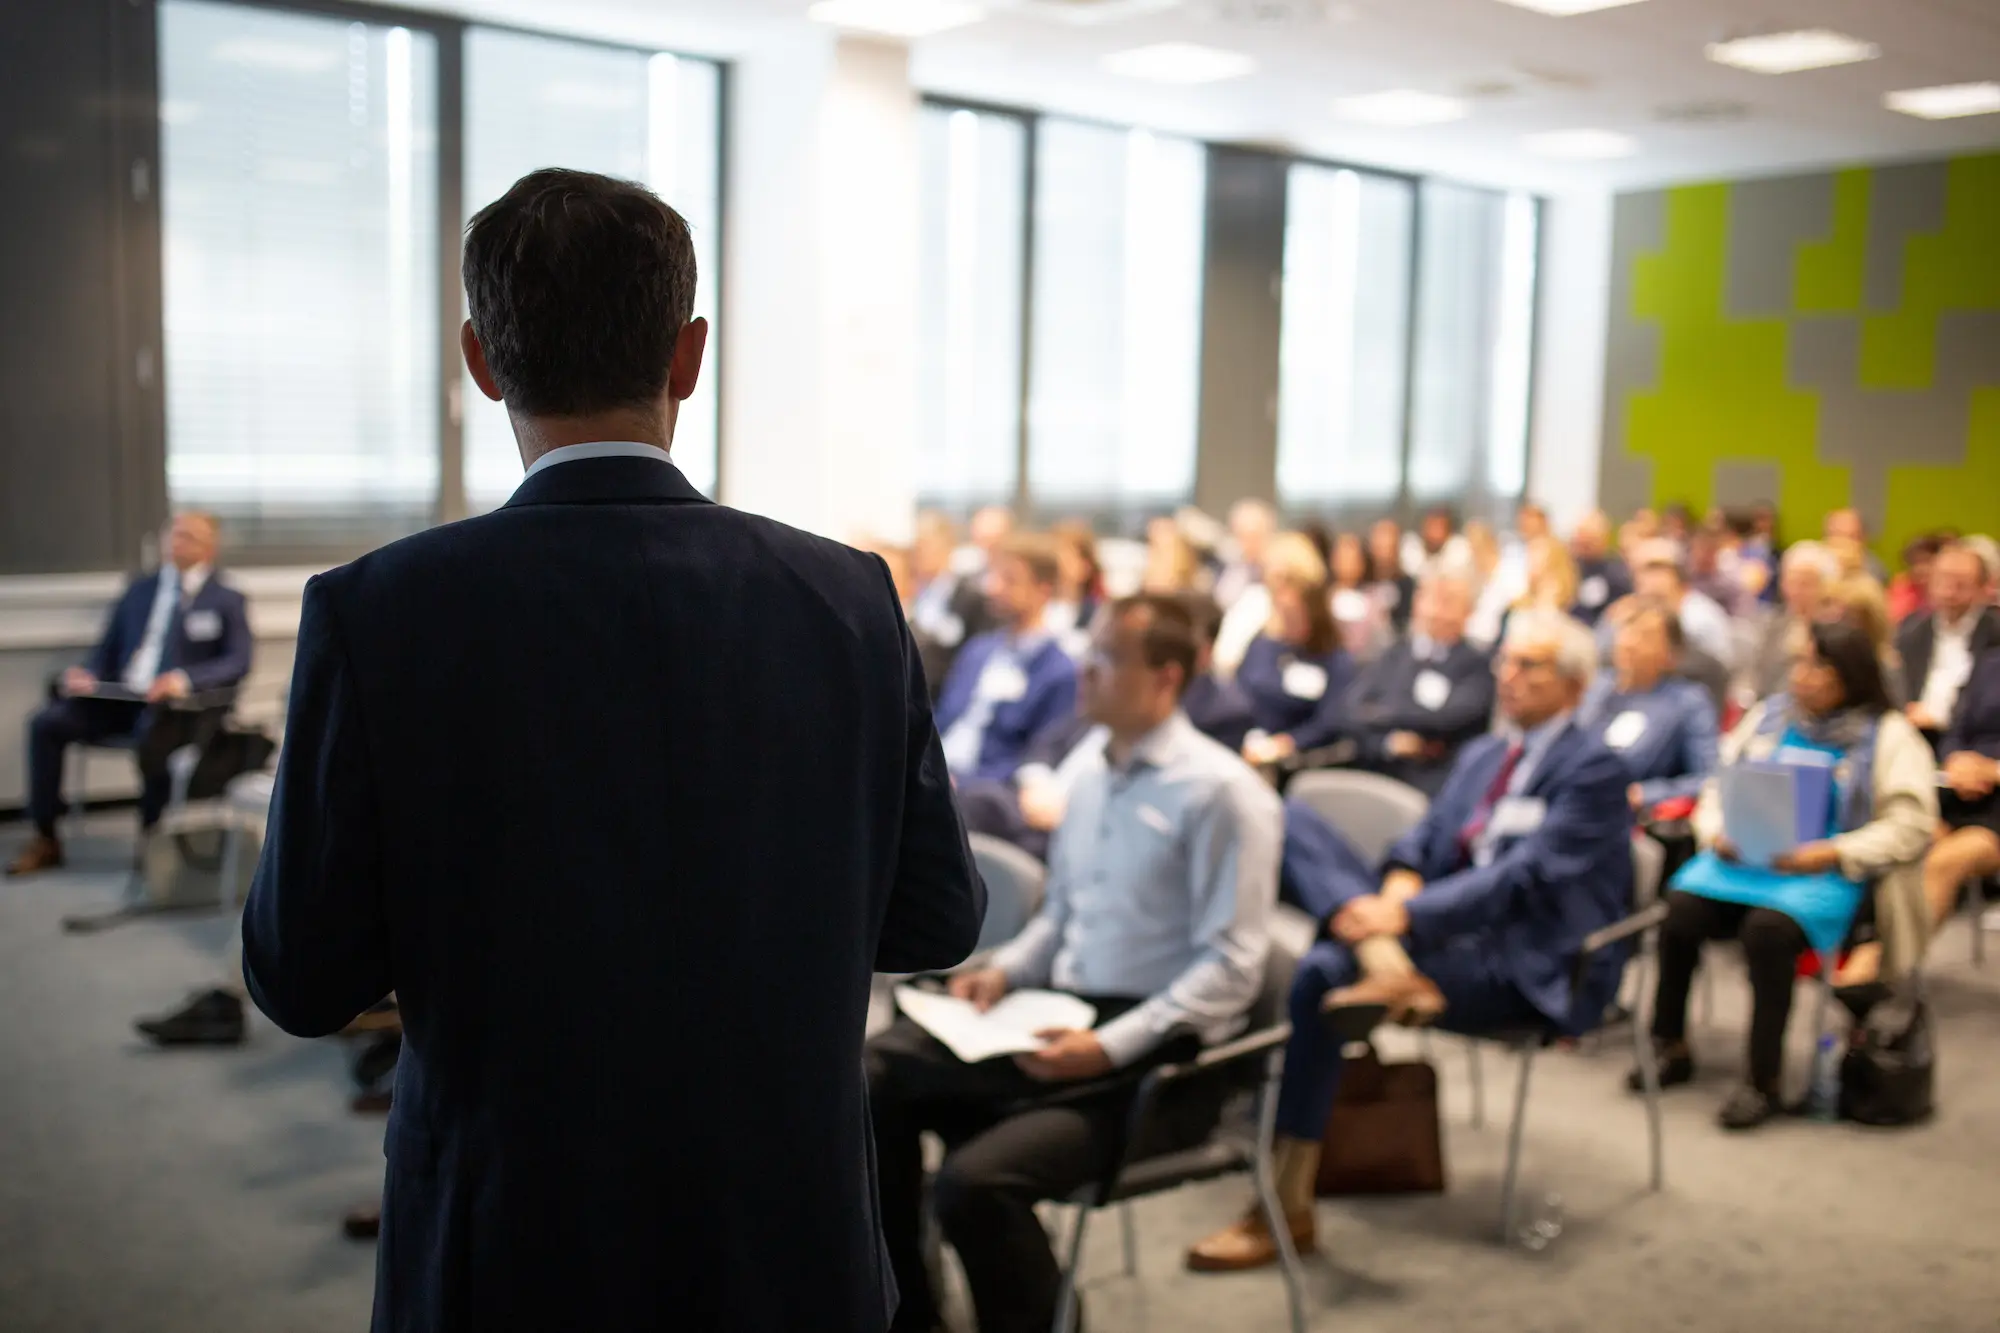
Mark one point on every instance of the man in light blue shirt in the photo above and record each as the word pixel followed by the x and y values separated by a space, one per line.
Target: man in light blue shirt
pixel 1162 878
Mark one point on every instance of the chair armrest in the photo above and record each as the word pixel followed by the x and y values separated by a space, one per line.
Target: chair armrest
pixel 1637 924
pixel 1228 1053
pixel 1337 754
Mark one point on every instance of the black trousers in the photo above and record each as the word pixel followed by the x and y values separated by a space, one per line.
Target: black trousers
pixel 998 1165
pixel 1772 943
pixel 66 722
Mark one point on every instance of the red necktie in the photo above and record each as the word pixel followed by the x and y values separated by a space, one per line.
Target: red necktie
pixel 1483 812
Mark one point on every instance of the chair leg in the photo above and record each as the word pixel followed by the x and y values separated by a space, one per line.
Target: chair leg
pixel 1267 1193
pixel 1649 1074
pixel 1066 1296
pixel 1513 1171
pixel 1478 1073
pixel 1128 1232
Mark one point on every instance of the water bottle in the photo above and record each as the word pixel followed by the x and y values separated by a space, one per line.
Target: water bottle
pixel 1544 1226
pixel 1824 1103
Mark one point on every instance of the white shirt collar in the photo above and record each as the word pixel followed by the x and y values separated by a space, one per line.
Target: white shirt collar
pixel 570 453
pixel 192 580
pixel 1963 629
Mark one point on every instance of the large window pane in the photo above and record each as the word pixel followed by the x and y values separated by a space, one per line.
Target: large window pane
pixel 534 102
pixel 299 188
pixel 1343 346
pixel 969 368
pixel 1114 379
pixel 1475 313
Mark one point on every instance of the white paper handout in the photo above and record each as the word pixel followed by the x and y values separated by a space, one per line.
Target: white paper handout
pixel 1008 1028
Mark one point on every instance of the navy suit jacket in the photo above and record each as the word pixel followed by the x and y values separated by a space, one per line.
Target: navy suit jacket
pixel 1310 721
pixel 1049 698
pixel 215 656
pixel 1543 891
pixel 1383 700
pixel 625 795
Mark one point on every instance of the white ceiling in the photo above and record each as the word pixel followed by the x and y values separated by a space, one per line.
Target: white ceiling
pixel 1525 72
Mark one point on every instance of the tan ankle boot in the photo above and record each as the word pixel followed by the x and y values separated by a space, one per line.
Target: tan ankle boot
pixel 1248 1243
pixel 41 853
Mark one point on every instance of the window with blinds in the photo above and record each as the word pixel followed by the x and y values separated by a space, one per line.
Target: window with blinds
pixel 299 213
pixel 1114 378
pixel 1343 348
pixel 973 196
pixel 533 102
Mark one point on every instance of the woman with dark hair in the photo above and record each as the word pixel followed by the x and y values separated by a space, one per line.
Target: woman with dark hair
pixel 1362 619
pixel 1882 807
pixel 1079 581
pixel 1295 673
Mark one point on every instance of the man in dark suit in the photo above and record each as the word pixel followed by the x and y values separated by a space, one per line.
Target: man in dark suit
pixel 1479 915
pixel 1939 649
pixel 1601 576
pixel 1414 706
pixel 625 795
pixel 1009 683
pixel 174 635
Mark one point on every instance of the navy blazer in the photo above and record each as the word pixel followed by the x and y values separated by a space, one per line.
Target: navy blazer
pixel 1545 889
pixel 1384 700
pixel 1668 737
pixel 1311 720
pixel 625 794
pixel 1049 697
pixel 208 637
pixel 1975 721
pixel 1599 583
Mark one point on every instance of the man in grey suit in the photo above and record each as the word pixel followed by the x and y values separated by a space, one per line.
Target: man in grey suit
pixel 625 795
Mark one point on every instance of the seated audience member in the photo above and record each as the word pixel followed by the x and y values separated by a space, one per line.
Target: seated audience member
pixel 1007 685
pixel 1634 533
pixel 1213 703
pixel 1938 650
pixel 1294 673
pixel 1970 806
pixel 1677 523
pixel 1910 591
pixel 1804 576
pixel 1746 560
pixel 1362 619
pixel 1394 589
pixel 173 634
pixel 1884 809
pixel 1412 710
pixel 1497 580
pixel 1658 574
pixel 1601 575
pixel 1479 915
pixel 1551 574
pixel 1858 600
pixel 1079 583
pixel 1718 572
pixel 1662 726
pixel 947 609
pixel 1172 563
pixel 989 529
pixel 1436 545
pixel 1252 524
pixel 1160 890
pixel 1844 530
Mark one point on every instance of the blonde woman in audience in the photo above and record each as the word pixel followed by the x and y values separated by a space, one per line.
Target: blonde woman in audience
pixel 1551 577
pixel 1859 601
pixel 1496 587
pixel 1294 673
pixel 1172 564
pixel 1079 579
pixel 1805 575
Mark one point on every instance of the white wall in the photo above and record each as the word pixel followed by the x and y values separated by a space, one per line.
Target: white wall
pixel 1569 365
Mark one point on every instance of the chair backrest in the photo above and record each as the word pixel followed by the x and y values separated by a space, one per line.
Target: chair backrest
pixel 1649 860
pixel 1014 883
pixel 1367 809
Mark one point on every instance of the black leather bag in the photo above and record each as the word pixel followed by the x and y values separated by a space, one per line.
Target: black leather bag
pixel 1889 1074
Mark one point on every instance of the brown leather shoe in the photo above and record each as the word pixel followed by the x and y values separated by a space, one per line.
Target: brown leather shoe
pixel 1413 1000
pixel 40 854
pixel 363 1223
pixel 1248 1243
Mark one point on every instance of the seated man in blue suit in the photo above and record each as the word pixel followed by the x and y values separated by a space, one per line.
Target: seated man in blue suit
pixel 1480 914
pixel 1414 706
pixel 178 633
pixel 1010 683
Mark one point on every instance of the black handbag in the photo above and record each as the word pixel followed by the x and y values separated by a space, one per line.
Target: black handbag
pixel 1889 1074
pixel 228 754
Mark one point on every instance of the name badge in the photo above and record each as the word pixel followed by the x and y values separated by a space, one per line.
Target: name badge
pixel 202 626
pixel 1517 816
pixel 1304 680
pixel 1625 729
pixel 1349 604
pixel 1593 591
pixel 1431 690
pixel 1156 821
pixel 948 630
pixel 1003 682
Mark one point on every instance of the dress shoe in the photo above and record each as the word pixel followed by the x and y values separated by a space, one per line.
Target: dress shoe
pixel 382 1016
pixel 372 1102
pixel 1747 1108
pixel 1248 1243
pixel 363 1223
pixel 212 1018
pixel 41 853
pixel 1672 1070
pixel 1352 1012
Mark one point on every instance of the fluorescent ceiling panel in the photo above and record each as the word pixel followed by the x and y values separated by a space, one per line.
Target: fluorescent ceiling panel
pixel 1947 101
pixel 1790 52
pixel 1179 62
pixel 1564 8
pixel 1402 107
pixel 1581 145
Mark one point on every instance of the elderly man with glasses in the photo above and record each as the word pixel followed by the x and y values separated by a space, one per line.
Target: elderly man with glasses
pixel 1479 915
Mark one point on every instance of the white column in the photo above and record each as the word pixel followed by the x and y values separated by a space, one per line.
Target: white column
pixel 819 303
pixel 1569 364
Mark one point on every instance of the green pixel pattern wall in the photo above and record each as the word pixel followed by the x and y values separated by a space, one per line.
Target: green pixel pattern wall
pixel 1818 340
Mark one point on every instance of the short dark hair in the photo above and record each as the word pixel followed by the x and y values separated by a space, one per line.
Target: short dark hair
pixel 1169 636
pixel 579 286
pixel 1644 607
pixel 1205 615
pixel 1851 653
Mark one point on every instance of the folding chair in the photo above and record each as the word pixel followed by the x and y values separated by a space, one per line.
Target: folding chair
pixel 1014 883
pixel 1369 810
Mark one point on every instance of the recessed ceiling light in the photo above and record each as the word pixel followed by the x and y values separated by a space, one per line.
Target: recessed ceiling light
pixel 1564 8
pixel 1592 145
pixel 1179 62
pixel 1790 52
pixel 1946 102
pixel 897 18
pixel 1402 107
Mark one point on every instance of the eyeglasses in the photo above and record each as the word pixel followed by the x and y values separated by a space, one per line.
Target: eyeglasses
pixel 1523 665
